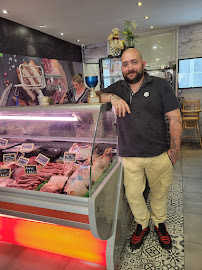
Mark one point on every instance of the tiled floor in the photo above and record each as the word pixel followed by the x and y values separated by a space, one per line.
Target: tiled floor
pixel 188 169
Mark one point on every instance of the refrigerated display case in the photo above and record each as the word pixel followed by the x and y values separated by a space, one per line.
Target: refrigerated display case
pixel 59 165
pixel 110 71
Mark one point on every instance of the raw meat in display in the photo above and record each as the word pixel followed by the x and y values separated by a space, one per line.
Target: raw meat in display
pixel 82 151
pixel 100 164
pixel 51 169
pixel 78 183
pixel 5 181
pixel 17 173
pixel 69 168
pixel 56 183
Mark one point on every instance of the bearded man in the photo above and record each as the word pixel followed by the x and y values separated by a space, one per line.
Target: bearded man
pixel 142 103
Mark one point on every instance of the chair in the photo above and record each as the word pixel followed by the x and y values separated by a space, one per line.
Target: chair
pixel 190 118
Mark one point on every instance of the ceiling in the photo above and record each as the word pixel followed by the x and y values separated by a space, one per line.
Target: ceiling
pixel 91 21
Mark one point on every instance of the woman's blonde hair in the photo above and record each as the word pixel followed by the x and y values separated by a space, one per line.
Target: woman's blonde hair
pixel 77 78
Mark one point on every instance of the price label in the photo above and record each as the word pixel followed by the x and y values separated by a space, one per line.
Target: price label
pixel 69 157
pixel 5 172
pixel 30 169
pixel 3 143
pixel 22 161
pixel 27 147
pixel 42 159
pixel 9 157
pixel 19 154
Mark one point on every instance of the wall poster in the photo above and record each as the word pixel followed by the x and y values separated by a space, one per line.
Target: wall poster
pixel 10 95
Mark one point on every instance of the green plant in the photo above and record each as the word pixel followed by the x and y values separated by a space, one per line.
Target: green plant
pixel 128 33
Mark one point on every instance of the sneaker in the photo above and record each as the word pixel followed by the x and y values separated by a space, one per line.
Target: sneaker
pixel 164 238
pixel 138 237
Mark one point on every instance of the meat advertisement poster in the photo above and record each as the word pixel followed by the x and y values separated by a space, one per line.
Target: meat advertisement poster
pixel 12 92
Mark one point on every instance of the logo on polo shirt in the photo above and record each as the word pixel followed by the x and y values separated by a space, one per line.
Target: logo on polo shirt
pixel 146 94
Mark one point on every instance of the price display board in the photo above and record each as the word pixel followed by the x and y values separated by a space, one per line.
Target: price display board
pixel 3 143
pixel 5 172
pixel 9 157
pixel 30 169
pixel 19 154
pixel 22 161
pixel 27 147
pixel 69 157
pixel 43 160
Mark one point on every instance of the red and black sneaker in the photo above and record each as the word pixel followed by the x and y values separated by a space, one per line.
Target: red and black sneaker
pixel 138 237
pixel 164 238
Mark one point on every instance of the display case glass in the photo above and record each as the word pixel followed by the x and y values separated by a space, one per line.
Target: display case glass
pixel 63 149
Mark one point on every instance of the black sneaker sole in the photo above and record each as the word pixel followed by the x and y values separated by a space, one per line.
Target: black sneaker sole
pixel 137 246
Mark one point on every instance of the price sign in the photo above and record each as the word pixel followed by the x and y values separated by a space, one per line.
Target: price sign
pixel 30 169
pixel 9 157
pixel 22 161
pixel 27 147
pixel 3 143
pixel 69 157
pixel 19 154
pixel 5 172
pixel 42 159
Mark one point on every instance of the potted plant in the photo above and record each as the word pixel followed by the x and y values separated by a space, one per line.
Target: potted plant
pixel 128 34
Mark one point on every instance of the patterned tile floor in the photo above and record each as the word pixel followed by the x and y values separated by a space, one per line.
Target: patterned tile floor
pixel 151 256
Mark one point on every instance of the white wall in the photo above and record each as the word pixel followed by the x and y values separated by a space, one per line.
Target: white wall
pixel 190 45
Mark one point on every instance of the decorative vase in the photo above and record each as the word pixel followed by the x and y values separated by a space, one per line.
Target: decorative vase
pixel 130 43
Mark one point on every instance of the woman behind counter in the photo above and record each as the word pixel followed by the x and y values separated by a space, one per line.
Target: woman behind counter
pixel 77 94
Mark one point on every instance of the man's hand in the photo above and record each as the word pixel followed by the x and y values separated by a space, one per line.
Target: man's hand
pixel 173 155
pixel 120 106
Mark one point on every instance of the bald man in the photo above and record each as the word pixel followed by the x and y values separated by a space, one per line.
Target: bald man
pixel 141 103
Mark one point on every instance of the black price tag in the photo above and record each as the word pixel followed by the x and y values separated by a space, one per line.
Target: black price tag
pixel 30 169
pixel 19 154
pixel 9 157
pixel 69 157
pixel 22 161
pixel 42 159
pixel 5 172
pixel 3 143
pixel 27 147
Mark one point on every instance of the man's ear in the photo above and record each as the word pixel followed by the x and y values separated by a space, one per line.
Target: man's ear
pixel 144 63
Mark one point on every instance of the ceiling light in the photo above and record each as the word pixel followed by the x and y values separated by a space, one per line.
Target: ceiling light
pixel 146 17
pixel 154 47
pixel 139 4
pixel 62 34
pixel 78 40
pixel 157 59
pixel 5 11
pixel 151 26
pixel 42 25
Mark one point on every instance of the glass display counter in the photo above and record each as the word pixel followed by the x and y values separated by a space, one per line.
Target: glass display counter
pixel 59 164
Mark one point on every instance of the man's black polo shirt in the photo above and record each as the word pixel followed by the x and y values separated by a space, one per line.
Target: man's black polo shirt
pixel 143 133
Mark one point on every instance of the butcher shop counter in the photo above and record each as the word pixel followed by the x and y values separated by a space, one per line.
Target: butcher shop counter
pixel 61 184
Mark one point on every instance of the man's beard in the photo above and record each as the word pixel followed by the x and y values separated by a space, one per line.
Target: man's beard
pixel 138 77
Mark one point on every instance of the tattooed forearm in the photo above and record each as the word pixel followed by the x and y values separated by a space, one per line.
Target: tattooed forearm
pixel 176 118
pixel 175 134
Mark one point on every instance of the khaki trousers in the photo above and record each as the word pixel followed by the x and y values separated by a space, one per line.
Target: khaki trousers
pixel 158 171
